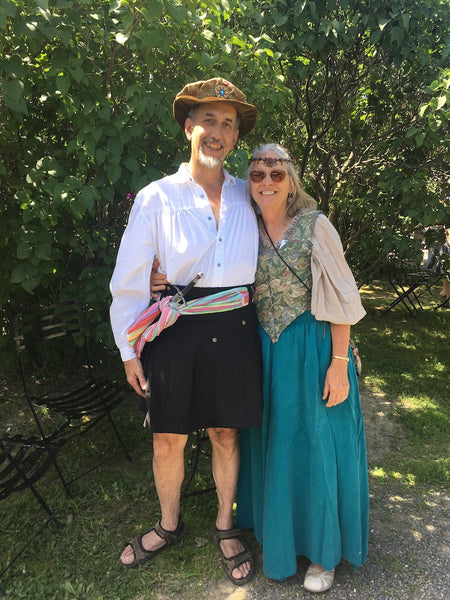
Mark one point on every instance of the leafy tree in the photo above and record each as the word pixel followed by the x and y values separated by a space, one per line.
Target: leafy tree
pixel 358 91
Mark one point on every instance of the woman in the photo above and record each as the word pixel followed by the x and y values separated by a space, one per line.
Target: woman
pixel 303 484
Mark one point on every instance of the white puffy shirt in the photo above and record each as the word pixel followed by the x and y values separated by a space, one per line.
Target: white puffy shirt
pixel 172 219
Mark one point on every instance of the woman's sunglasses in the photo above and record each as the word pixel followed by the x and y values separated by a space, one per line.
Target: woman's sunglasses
pixel 275 175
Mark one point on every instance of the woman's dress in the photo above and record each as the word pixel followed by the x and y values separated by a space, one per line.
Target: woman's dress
pixel 303 482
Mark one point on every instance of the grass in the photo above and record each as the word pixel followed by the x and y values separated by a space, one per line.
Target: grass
pixel 406 362
pixel 405 377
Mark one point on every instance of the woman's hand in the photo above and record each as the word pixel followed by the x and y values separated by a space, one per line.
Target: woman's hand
pixel 158 281
pixel 336 386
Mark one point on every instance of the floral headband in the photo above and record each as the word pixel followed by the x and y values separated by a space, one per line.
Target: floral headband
pixel 269 161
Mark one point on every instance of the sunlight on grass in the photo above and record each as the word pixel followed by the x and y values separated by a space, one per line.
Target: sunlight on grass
pixel 381 473
pixel 239 594
pixel 378 472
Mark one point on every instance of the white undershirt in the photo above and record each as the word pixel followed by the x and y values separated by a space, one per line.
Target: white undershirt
pixel 173 220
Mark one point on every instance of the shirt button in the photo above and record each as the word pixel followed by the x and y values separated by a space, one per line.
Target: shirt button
pixel 220 239
pixel 209 218
pixel 244 322
pixel 219 265
pixel 214 340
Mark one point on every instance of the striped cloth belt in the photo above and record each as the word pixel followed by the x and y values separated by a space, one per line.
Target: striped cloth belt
pixel 145 330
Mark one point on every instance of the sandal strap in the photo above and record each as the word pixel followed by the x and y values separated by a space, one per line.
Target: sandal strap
pixel 139 552
pixel 169 536
pixel 238 559
pixel 226 534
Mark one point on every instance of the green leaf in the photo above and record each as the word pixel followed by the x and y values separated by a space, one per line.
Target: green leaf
pixel 419 138
pixel 19 272
pixel 63 84
pixel 237 42
pixel 14 96
pixel 24 250
pixel 153 11
pixel 132 165
pixel 441 101
pixel 178 12
pixel 280 19
pixel 43 251
pixel 411 132
pixel 2 18
pixel 87 198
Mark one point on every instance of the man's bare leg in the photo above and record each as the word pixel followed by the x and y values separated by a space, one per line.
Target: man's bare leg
pixel 168 471
pixel 225 464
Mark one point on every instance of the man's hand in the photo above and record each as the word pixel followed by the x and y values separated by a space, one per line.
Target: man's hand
pixel 135 375
pixel 158 281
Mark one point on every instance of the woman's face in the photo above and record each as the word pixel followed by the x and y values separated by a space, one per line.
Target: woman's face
pixel 268 191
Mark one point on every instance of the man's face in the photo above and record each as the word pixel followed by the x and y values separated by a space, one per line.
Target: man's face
pixel 212 133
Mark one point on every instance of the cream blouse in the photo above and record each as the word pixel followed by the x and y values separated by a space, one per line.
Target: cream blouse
pixel 335 295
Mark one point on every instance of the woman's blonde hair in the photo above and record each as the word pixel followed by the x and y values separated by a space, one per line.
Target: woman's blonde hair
pixel 300 199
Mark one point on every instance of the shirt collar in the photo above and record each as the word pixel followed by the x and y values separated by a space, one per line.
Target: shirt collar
pixel 185 176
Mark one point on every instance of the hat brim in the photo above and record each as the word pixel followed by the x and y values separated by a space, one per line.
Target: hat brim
pixel 247 112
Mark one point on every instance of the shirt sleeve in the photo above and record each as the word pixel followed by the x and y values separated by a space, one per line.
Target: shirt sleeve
pixel 335 296
pixel 130 282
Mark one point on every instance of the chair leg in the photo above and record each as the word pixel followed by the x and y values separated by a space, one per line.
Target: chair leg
pixel 119 437
pixel 29 542
pixel 403 297
pixel 199 440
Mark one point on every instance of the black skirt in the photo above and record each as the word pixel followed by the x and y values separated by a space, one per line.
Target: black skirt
pixel 205 371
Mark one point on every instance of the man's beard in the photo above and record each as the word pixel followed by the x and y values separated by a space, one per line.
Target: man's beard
pixel 210 162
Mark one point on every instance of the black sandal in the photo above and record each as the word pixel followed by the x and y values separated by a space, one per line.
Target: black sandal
pixel 141 555
pixel 229 564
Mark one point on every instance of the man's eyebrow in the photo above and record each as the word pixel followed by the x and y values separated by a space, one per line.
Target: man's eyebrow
pixel 210 114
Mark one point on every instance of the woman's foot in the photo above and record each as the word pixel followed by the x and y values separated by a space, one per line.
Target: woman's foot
pixel 318 579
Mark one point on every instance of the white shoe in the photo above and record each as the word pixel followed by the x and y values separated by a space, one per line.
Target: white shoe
pixel 318 579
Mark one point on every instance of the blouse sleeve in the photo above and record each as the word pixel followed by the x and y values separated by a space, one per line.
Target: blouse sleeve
pixel 335 296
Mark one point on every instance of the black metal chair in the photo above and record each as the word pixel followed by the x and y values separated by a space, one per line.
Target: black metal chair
pixel 199 445
pixel 409 282
pixel 85 399
pixel 23 462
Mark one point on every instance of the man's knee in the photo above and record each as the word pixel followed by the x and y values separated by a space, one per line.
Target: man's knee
pixel 166 445
pixel 224 437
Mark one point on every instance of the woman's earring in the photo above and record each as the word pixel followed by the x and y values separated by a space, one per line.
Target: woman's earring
pixel 290 197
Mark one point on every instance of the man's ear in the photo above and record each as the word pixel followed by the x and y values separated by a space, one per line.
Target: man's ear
pixel 188 127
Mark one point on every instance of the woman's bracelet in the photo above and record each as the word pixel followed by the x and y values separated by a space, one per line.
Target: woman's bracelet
pixel 346 358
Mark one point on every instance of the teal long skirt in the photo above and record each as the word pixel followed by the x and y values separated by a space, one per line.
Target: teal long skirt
pixel 303 481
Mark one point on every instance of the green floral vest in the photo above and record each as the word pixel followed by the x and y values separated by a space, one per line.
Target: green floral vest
pixel 280 297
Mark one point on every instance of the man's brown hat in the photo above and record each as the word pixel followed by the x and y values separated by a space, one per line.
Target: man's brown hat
pixel 215 90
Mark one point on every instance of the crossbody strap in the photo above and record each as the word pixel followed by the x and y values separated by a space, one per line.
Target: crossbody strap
pixel 287 265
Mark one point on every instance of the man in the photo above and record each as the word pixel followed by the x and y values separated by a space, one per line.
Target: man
pixel 204 370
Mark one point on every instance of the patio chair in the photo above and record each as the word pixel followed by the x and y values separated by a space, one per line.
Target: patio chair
pixel 85 400
pixel 409 282
pixel 23 462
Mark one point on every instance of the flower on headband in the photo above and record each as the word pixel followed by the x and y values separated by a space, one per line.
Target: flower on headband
pixel 269 161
